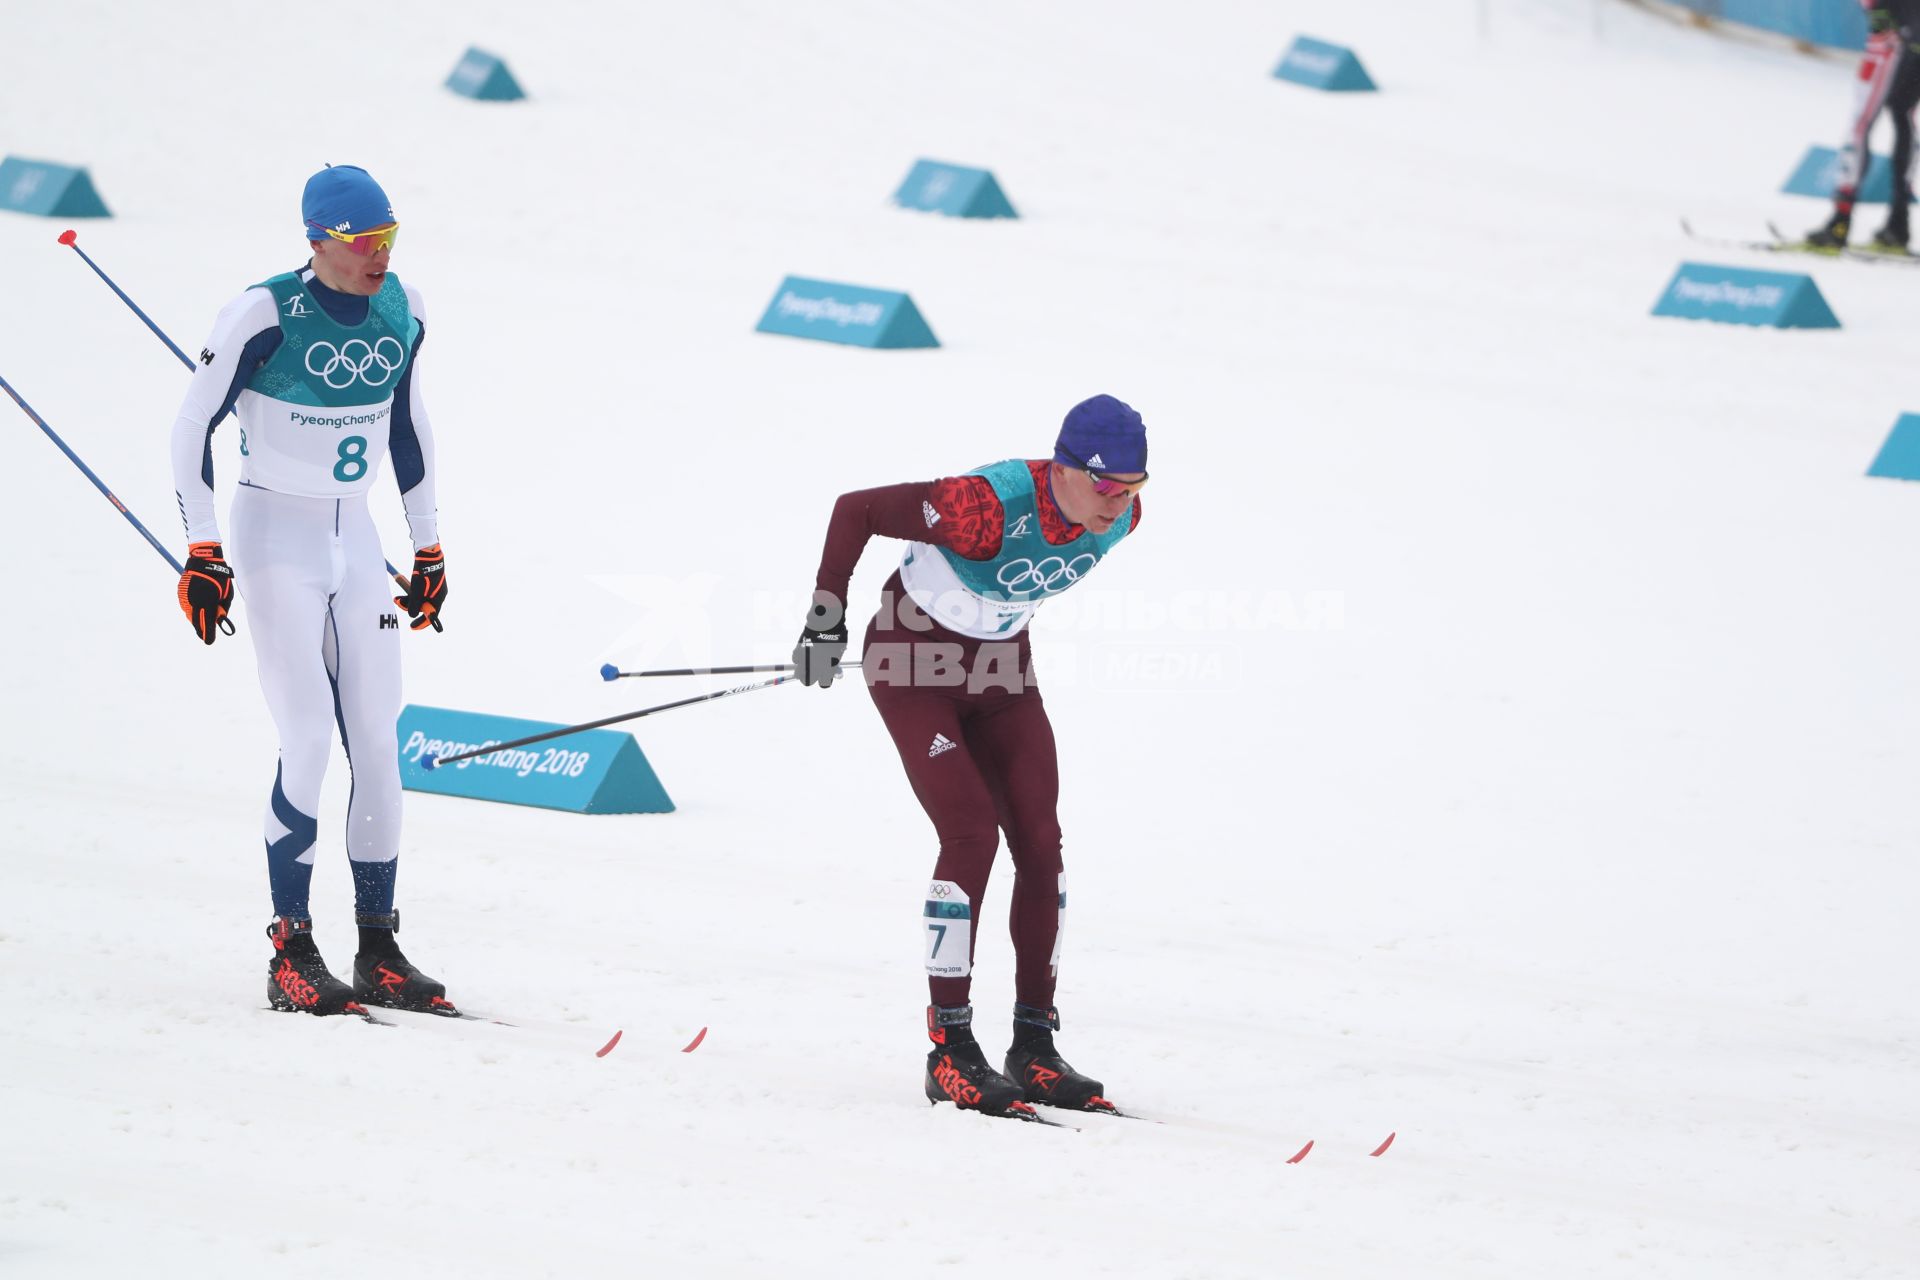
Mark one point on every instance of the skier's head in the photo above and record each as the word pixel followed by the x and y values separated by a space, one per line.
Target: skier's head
pixel 1099 461
pixel 343 198
pixel 351 229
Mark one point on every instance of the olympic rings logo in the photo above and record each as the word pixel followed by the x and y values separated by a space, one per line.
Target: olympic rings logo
pixel 355 360
pixel 1025 577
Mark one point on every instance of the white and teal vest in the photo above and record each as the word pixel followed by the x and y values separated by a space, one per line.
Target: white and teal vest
pixel 314 418
pixel 995 599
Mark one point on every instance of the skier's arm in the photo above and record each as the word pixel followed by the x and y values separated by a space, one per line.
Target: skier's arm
pixel 410 442
pixel 244 336
pixel 960 513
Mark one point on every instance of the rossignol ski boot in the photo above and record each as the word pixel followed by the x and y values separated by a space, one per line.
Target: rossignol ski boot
pixel 383 976
pixel 1043 1074
pixel 297 978
pixel 958 1072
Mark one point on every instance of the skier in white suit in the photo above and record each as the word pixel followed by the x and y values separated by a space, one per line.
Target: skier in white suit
pixel 321 368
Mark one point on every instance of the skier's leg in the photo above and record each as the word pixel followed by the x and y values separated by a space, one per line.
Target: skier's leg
pixel 364 627
pixel 1870 92
pixel 926 727
pixel 1902 100
pixel 363 650
pixel 283 567
pixel 1012 740
pixel 283 571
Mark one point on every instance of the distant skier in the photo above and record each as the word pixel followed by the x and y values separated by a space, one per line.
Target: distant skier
pixel 948 663
pixel 1889 77
pixel 321 366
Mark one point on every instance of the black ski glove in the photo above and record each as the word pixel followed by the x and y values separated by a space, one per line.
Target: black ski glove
pixel 206 590
pixel 823 642
pixel 427 589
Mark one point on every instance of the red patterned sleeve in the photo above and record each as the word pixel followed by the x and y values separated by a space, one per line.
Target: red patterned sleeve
pixel 971 518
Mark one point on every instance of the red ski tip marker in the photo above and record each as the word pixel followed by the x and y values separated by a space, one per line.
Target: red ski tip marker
pixel 1301 1154
pixel 607 1048
pixel 695 1042
pixel 68 237
pixel 1383 1146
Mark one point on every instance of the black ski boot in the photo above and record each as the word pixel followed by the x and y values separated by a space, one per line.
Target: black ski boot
pixel 1832 237
pixel 1044 1075
pixel 383 976
pixel 957 1070
pixel 297 978
pixel 1891 238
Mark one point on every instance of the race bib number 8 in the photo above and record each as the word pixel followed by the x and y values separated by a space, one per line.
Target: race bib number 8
pixel 353 460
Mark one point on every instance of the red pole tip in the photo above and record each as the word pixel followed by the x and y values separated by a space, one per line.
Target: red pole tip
pixel 1382 1148
pixel 68 237
pixel 695 1043
pixel 607 1048
pixel 1301 1154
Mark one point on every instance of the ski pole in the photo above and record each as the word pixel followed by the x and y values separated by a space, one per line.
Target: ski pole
pixel 610 672
pixel 71 239
pixel 226 624
pixel 434 762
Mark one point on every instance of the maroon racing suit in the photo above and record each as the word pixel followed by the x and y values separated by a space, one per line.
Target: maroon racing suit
pixel 965 714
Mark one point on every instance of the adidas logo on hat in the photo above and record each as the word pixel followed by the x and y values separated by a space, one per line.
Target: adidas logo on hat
pixel 941 742
pixel 1096 462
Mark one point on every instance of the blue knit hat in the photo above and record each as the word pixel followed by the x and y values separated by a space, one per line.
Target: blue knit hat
pixel 1102 433
pixel 343 197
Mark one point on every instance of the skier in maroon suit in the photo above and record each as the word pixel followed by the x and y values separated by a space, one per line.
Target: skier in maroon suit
pixel 948 663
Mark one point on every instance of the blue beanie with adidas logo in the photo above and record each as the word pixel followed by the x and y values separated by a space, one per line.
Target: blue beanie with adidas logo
pixel 1103 433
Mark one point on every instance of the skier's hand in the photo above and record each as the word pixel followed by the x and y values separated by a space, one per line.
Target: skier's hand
pixel 427 589
pixel 823 642
pixel 206 590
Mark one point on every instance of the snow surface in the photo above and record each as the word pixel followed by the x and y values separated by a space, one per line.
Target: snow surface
pixel 1499 735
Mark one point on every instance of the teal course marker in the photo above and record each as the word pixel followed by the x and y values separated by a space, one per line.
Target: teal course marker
pixel 1319 65
pixel 1735 295
pixel 846 313
pixel 1899 457
pixel 48 190
pixel 955 190
pixel 484 76
pixel 1820 169
pixel 597 771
